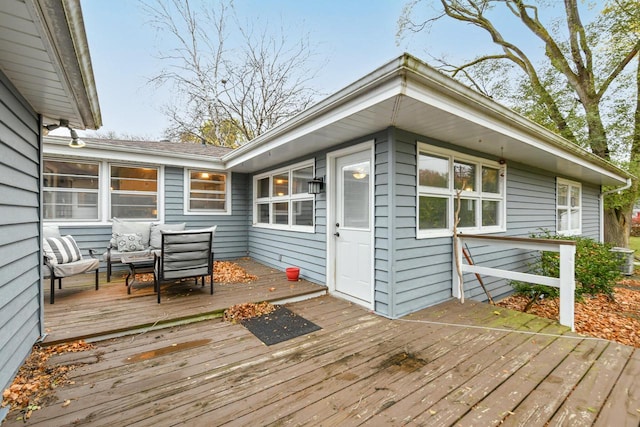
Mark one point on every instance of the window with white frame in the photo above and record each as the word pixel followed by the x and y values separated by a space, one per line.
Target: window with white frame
pixel 442 176
pixel 281 198
pixel 70 190
pixel 134 192
pixel 568 207
pixel 207 192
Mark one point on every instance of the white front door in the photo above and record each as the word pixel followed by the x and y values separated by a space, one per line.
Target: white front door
pixel 353 227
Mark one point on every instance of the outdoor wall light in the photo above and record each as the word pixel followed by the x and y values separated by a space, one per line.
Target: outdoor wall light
pixel 75 141
pixel 316 185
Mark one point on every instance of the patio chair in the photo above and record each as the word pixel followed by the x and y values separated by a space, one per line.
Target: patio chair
pixel 183 254
pixel 62 258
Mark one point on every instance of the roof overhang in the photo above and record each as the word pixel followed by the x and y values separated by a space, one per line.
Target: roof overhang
pixel 45 54
pixel 59 146
pixel 408 94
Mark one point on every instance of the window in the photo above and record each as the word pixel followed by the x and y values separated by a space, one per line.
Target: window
pixel 281 199
pixel 134 192
pixel 568 207
pixel 207 192
pixel 442 175
pixel 70 190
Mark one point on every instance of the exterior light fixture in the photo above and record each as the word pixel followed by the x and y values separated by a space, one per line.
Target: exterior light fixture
pixel 75 141
pixel 316 185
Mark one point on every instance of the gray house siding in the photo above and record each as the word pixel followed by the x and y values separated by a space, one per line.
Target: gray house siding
pixel 20 297
pixel 591 211
pixel 231 239
pixel 421 269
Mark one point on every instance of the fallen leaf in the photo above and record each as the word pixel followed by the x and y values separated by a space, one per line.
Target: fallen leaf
pixel 66 403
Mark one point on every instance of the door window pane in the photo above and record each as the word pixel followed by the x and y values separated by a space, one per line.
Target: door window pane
pixel 433 171
pixel 434 212
pixel 355 195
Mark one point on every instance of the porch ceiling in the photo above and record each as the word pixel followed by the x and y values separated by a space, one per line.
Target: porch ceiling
pixel 421 100
pixel 45 55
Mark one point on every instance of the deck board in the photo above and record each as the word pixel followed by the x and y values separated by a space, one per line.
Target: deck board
pixel 451 364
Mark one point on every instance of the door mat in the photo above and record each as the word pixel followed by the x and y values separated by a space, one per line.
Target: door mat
pixel 279 325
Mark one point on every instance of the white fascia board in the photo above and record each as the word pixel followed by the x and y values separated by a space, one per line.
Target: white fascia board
pixel 133 156
pixel 336 113
pixel 371 89
pixel 493 116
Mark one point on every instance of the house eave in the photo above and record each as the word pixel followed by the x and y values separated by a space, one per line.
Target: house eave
pixel 408 94
pixel 58 147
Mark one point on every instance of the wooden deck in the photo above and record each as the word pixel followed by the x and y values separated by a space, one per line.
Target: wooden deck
pixel 81 312
pixel 503 367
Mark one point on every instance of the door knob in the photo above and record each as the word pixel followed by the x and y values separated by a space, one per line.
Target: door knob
pixel 336 234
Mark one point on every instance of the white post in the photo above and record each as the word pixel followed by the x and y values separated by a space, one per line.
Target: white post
pixel 567 285
pixel 456 261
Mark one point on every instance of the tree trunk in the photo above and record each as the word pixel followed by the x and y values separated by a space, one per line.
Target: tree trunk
pixel 617 226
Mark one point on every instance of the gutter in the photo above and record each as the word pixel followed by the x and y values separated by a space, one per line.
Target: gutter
pixel 606 193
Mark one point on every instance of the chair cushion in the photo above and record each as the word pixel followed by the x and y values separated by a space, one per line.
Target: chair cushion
pixel 155 241
pixel 129 242
pixel 77 267
pixel 199 230
pixel 128 227
pixel 61 250
pixel 116 255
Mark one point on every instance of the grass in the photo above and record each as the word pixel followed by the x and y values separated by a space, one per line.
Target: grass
pixel 634 243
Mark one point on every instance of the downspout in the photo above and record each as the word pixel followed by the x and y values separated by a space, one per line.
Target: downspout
pixel 615 190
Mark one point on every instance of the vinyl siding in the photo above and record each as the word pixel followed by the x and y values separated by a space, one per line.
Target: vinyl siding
pixel 230 241
pixel 20 296
pixel 422 268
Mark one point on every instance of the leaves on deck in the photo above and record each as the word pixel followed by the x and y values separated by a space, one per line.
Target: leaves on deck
pixel 223 272
pixel 239 312
pixel 598 316
pixel 36 380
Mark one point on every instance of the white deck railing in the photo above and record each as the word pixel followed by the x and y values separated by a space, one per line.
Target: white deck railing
pixel 566 282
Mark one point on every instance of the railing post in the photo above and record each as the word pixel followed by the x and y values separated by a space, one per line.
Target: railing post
pixel 457 255
pixel 567 285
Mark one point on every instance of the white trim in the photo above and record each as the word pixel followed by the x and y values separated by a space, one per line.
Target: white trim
pixel 477 194
pixel 331 219
pixel 186 192
pixel 569 184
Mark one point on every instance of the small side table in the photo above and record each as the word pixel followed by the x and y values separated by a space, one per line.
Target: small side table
pixel 138 264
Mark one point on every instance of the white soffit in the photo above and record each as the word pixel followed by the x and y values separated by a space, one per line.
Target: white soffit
pixel 45 55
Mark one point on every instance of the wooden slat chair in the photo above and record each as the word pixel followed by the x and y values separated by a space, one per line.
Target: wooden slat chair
pixel 62 258
pixel 183 254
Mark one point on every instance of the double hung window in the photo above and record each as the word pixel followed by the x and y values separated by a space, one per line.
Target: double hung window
pixel 207 192
pixel 453 186
pixel 134 192
pixel 71 191
pixel 568 207
pixel 281 198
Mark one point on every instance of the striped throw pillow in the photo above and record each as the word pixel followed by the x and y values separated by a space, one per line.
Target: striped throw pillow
pixel 61 250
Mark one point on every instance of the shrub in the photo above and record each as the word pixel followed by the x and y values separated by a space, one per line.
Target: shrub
pixel 596 270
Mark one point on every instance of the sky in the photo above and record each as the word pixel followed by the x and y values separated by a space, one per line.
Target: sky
pixel 350 39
